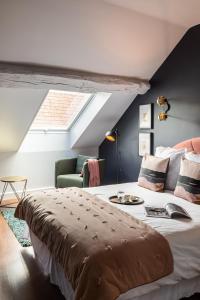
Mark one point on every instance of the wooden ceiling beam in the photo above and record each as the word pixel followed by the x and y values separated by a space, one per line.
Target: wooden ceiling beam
pixel 44 77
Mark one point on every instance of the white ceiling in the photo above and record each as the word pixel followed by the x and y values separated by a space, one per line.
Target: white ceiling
pixel 92 35
pixel 88 35
pixel 185 13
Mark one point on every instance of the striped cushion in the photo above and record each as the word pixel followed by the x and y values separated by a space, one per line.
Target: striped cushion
pixel 188 184
pixel 153 173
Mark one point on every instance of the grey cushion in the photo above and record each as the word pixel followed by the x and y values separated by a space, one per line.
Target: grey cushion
pixel 69 180
pixel 80 161
pixel 175 156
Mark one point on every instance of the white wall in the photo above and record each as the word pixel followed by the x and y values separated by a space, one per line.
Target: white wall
pixel 38 167
pixel 37 155
pixel 101 116
pixel 45 141
pixel 86 120
pixel 18 108
pixel 36 159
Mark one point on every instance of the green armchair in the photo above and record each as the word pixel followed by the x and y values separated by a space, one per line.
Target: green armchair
pixel 67 172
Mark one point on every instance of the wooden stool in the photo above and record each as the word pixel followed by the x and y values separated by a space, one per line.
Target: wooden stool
pixel 10 180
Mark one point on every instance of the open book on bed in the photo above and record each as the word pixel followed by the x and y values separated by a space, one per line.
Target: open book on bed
pixel 170 211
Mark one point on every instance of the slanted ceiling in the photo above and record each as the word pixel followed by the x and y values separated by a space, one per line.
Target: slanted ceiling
pixel 100 117
pixel 90 35
pixel 17 110
pixel 181 12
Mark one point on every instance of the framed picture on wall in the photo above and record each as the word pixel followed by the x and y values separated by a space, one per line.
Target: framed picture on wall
pixel 144 143
pixel 145 116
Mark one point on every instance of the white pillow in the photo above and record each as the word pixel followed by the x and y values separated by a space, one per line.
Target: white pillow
pixel 192 156
pixel 175 156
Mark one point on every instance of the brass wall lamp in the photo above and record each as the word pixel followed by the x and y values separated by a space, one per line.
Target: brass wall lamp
pixel 164 104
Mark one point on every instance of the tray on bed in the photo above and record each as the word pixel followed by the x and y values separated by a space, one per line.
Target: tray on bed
pixel 136 200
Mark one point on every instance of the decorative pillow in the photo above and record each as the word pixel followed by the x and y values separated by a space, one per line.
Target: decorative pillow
pixel 188 184
pixel 175 156
pixel 153 173
pixel 192 156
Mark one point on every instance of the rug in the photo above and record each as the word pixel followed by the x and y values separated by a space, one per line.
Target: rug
pixel 18 227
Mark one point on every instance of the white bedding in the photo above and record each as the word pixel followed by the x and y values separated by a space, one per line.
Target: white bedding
pixel 183 236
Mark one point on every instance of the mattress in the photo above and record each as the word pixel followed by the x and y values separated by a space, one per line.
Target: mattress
pixel 182 235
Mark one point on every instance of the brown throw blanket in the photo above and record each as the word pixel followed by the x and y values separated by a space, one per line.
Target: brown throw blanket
pixel 104 252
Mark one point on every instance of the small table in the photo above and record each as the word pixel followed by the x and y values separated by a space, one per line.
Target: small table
pixel 10 180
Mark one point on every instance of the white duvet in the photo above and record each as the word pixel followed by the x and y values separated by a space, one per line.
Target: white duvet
pixel 183 235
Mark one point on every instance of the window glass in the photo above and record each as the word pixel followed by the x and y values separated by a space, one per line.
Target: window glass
pixel 60 109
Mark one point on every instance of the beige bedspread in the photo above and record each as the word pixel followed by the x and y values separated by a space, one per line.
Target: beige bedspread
pixel 103 251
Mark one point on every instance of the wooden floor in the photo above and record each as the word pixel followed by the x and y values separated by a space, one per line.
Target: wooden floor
pixel 20 278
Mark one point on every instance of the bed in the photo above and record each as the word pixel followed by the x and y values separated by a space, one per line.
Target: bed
pixel 182 236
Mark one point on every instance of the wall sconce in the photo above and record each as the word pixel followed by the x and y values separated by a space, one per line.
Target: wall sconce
pixel 164 104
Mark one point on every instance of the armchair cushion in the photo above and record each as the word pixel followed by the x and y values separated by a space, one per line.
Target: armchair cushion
pixel 69 180
pixel 80 161
pixel 64 166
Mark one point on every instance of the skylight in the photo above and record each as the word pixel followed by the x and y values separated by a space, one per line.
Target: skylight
pixel 60 109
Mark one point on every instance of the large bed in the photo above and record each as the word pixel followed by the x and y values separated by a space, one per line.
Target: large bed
pixel 183 236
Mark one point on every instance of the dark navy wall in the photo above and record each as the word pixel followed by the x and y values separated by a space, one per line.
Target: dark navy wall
pixel 178 79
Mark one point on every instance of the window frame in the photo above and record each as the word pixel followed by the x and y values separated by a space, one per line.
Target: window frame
pixel 71 124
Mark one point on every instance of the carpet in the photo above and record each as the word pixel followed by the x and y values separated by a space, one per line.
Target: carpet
pixel 18 227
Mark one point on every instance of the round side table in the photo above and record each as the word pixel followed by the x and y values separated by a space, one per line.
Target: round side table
pixel 11 180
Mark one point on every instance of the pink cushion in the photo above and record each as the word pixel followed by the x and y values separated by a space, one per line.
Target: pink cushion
pixel 188 181
pixel 153 173
pixel 191 145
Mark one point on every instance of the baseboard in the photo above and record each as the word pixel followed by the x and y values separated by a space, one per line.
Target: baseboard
pixel 9 195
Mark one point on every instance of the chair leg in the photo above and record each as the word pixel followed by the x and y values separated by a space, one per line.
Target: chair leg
pixel 3 192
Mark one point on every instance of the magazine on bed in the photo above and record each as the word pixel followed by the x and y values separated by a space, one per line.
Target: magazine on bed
pixel 170 211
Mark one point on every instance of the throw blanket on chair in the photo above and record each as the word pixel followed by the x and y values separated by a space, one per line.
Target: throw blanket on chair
pixel 103 251
pixel 93 167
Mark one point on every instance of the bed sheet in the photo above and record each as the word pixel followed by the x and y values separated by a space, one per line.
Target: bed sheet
pixel 183 236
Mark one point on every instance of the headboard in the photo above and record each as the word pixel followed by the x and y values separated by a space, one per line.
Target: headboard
pixel 191 145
